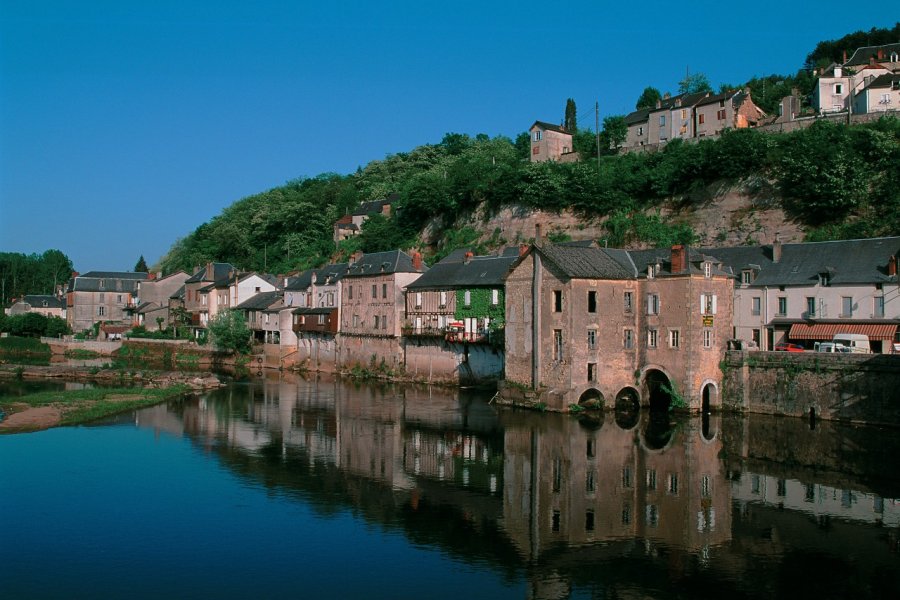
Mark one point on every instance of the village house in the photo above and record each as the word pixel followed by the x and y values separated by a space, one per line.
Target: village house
pixel 218 287
pixel 879 94
pixel 659 122
pixel 150 306
pixel 47 305
pixel 682 115
pixel 729 110
pixel 586 324
pixel 550 142
pixel 806 293
pixel 313 299
pixel 351 224
pixel 373 308
pixel 197 304
pixel 637 131
pixel 100 296
pixel 837 84
pixel 261 312
pixel 455 317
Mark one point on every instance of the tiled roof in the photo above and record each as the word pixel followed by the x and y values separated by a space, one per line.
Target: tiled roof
pixel 378 263
pixel 663 257
pixel 85 283
pixel 116 275
pixel 578 262
pixel 454 272
pixel 314 311
pixel 638 116
pixel 259 301
pixel 324 276
pixel 367 208
pixel 220 271
pixel 884 81
pixel 550 127
pixel 862 55
pixel 38 300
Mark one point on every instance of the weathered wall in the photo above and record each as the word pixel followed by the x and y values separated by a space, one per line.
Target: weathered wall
pixel 435 360
pixel 851 387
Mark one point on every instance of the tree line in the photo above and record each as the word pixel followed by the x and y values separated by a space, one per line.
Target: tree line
pixel 22 274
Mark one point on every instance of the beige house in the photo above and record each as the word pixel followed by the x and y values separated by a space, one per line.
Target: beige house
pixel 638 128
pixel 196 303
pixel 729 110
pixel 47 305
pixel 313 301
pixel 101 296
pixel 879 94
pixel 373 308
pixel 837 84
pixel 351 224
pixel 585 323
pixel 806 293
pixel 151 302
pixel 550 142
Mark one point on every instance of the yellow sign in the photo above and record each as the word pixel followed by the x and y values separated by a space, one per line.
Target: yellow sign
pixel 707 320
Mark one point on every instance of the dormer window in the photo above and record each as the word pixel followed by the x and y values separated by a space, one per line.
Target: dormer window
pixel 824 279
pixel 746 277
pixel 650 272
pixel 893 57
pixel 707 269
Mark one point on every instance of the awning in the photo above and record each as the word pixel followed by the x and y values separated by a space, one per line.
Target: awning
pixel 826 331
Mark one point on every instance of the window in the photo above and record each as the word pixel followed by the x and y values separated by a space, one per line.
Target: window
pixel 350 291
pixel 651 479
pixel 557 300
pixel 557 345
pixel 592 302
pixel 641 130
pixel 838 88
pixel 700 118
pixel 674 338
pixel 652 338
pixel 321 319
pixel 626 514
pixel 356 320
pixel 721 104
pixel 536 136
pixel 101 310
pixel 592 372
pixel 589 482
pixel 384 290
pixel 684 113
pixel 589 520
pixel 810 307
pixel 673 484
pixel 755 306
pixel 102 284
pixel 626 477
pixel 846 306
pixel 705 486
pixel 418 299
pixel 119 298
pixel 628 299
pixel 495 297
pixel 376 321
pixel 443 300
pixel 384 321
pixel 652 304
pixel 879 306
pixel 755 335
pixel 746 277
pixel 257 289
pixel 374 291
pixel 592 339
pixel 589 449
pixel 720 114
pixel 782 306
pixel 885 99
pixel 707 304
pixel 652 515
pixel 662 120
pixel 557 474
pixel 628 339
pixel 102 297
pixel 707 338
pixel 707 270
pixel 554 524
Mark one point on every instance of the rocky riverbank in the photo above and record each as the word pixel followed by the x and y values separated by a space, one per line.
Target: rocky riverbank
pixel 146 378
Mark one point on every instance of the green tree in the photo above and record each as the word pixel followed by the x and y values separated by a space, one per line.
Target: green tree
pixel 615 128
pixel 141 265
pixel 571 119
pixel 229 332
pixel 694 83
pixel 648 98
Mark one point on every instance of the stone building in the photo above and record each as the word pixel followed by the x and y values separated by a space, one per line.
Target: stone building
pixel 313 297
pixel 587 323
pixel 100 296
pixel 550 142
pixel 151 304
pixel 373 308
pixel 47 305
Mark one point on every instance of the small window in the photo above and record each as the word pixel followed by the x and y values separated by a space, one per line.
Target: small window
pixel 846 306
pixel 495 297
pixel 755 306
pixel 838 88
pixel 467 298
pixel 662 120
pixel 707 338
pixel 879 306
pixel 374 291
pixel 592 372
pixel 641 130
pixel 700 118
pixel 376 321
pixel 443 300
pixel 356 320
pixel 589 520
pixel 652 304
pixel 673 484
pixel 418 299
pixel 652 338
pixel 707 270
pixel 321 319
pixel 811 307
pixel 257 289
pixel 628 339
pixel 684 113
pixel 101 310
pixel 536 136
pixel 651 479
pixel 350 292
pixel 384 290
pixel 557 300
pixel 592 302
pixel 674 338
pixel 782 306
pixel 626 477
pixel 592 339
pixel 747 277
pixel 628 299
pixel 708 304
pixel 384 321
pixel 557 345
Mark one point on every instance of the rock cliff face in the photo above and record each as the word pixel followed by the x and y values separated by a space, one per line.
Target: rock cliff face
pixel 726 214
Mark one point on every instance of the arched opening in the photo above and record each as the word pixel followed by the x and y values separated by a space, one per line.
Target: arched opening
pixel 628 408
pixel 710 397
pixel 658 390
pixel 591 399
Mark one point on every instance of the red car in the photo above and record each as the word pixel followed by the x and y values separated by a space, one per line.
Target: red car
pixel 789 348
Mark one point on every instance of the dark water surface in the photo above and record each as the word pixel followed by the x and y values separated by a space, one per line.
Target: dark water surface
pixel 324 489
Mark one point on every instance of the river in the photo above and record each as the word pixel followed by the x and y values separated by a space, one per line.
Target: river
pixel 323 488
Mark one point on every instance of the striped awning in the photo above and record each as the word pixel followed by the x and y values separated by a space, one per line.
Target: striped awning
pixel 826 331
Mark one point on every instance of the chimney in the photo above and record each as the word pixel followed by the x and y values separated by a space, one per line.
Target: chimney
pixel 209 270
pixel 75 274
pixel 468 257
pixel 355 257
pixel 523 248
pixel 417 260
pixel 659 104
pixel 666 96
pixel 776 249
pixel 892 267
pixel 845 57
pixel 881 54
pixel 872 59
pixel 679 259
pixel 151 276
pixel 538 235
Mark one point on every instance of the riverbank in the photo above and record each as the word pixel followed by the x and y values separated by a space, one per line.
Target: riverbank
pixel 43 410
pixel 144 378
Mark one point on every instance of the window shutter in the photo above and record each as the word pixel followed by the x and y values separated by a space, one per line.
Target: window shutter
pixel 702 304
pixel 714 304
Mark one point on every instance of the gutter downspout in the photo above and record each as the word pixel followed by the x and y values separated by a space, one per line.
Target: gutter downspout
pixel 536 283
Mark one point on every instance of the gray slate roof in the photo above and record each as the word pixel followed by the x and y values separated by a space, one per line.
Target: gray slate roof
pixel 861 55
pixel 38 300
pixel 380 263
pixel 551 127
pixel 116 274
pixel 220 271
pixel 638 116
pixel 260 301
pixel 324 276
pixel 106 281
pixel 663 256
pixel 578 262
pixel 454 272
pixel 846 261
pixel 884 81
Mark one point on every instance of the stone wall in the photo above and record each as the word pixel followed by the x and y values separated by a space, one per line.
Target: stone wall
pixel 843 387
pixel 438 361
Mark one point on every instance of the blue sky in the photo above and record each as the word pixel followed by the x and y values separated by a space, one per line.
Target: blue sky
pixel 126 124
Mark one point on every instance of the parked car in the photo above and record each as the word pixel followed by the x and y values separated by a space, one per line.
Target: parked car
pixel 786 347
pixel 830 347
pixel 856 342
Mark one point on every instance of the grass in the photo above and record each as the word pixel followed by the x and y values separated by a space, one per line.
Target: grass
pixel 84 406
pixel 21 345
pixel 81 353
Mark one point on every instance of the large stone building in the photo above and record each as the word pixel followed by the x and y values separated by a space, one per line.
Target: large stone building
pixel 587 323
pixel 101 296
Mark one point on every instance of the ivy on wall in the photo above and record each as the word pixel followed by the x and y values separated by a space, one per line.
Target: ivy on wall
pixel 480 306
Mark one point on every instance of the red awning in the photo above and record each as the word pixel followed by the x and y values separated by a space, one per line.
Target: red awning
pixel 826 331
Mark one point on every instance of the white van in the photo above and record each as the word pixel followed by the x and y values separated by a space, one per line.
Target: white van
pixel 830 347
pixel 857 342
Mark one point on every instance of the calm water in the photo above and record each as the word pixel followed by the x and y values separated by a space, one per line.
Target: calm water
pixel 292 488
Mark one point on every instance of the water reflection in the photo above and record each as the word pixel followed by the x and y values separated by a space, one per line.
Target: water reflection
pixel 615 504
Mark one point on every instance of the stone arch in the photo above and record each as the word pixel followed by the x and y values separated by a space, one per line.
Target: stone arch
pixel 591 398
pixel 655 383
pixel 627 408
pixel 709 397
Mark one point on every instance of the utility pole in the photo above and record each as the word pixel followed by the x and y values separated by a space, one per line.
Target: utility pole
pixel 597 128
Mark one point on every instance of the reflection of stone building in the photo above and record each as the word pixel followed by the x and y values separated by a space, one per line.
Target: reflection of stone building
pixel 582 485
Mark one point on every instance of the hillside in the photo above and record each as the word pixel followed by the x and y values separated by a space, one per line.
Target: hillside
pixel 830 181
